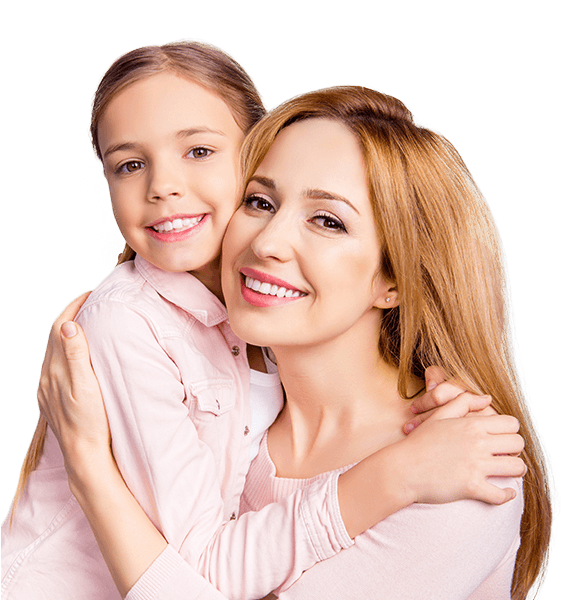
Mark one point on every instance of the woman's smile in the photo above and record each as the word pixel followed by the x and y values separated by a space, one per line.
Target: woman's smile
pixel 303 242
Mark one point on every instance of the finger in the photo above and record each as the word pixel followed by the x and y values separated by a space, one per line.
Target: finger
pixel 492 494
pixel 438 396
pixel 506 466
pixel 498 424
pixel 509 443
pixel 434 375
pixel 409 426
pixel 462 406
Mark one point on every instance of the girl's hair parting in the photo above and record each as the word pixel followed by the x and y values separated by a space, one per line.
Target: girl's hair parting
pixel 204 64
pixel 440 247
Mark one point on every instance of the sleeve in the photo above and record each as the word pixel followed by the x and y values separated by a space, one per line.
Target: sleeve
pixel 424 552
pixel 173 474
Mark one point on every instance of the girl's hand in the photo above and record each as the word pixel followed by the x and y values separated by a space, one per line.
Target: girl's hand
pixel 69 396
pixel 450 458
pixel 439 392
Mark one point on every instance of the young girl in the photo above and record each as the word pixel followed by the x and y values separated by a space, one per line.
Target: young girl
pixel 168 124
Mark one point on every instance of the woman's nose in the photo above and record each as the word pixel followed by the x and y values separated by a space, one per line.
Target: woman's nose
pixel 165 183
pixel 275 240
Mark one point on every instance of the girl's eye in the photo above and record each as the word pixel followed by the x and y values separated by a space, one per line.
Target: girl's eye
pixel 130 167
pixel 199 152
pixel 258 203
pixel 328 221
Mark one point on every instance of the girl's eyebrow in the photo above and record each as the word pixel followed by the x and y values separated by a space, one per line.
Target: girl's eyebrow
pixel 182 134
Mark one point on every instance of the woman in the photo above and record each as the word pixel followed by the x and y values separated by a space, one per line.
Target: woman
pixel 377 225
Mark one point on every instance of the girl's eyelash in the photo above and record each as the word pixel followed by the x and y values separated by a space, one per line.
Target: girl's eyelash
pixel 208 151
pixel 123 170
pixel 327 218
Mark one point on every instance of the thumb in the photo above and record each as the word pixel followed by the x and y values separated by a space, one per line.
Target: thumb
pixel 434 376
pixel 77 354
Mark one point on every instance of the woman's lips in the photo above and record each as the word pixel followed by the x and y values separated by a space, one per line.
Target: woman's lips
pixel 261 289
pixel 176 228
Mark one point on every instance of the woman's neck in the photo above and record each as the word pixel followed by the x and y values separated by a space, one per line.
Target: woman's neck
pixel 342 405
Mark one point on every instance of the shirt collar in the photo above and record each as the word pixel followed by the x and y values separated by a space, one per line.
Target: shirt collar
pixel 185 291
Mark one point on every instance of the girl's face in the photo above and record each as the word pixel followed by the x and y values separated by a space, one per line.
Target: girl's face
pixel 301 256
pixel 170 150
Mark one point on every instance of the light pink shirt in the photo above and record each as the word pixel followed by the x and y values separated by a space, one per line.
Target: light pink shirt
pixel 458 551
pixel 175 380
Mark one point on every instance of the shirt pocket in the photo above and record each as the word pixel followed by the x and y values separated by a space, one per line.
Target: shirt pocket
pixel 213 396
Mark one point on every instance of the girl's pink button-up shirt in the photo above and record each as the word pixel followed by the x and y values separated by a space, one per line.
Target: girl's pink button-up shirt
pixel 175 381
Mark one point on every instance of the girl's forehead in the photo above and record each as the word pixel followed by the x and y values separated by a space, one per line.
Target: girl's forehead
pixel 166 103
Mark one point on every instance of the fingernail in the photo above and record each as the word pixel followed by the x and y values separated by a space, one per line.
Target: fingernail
pixel 431 385
pixel 68 329
pixel 409 427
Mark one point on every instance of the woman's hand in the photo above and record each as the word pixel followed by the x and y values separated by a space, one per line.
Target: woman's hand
pixel 69 396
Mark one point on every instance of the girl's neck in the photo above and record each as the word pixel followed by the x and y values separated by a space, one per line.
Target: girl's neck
pixel 210 276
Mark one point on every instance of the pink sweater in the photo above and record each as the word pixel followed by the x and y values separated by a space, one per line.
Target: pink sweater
pixel 459 551
pixel 456 551
pixel 175 380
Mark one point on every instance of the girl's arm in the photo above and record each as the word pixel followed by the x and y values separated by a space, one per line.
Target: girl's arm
pixel 127 538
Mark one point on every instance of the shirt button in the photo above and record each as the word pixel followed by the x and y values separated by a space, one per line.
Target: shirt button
pixel 233 517
pixel 246 430
pixel 235 350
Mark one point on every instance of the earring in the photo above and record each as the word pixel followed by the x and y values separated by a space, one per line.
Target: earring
pixel 387 300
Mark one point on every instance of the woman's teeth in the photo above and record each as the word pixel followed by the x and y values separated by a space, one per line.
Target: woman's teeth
pixel 262 287
pixel 176 224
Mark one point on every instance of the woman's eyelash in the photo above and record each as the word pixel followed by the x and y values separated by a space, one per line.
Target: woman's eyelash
pixel 329 221
pixel 258 203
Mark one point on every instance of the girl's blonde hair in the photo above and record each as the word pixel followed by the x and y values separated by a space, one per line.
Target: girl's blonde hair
pixel 201 63
pixel 441 248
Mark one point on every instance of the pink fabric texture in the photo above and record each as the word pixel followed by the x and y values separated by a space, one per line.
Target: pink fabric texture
pixel 175 380
pixel 459 551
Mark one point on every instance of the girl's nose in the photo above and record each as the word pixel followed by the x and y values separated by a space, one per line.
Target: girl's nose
pixel 165 183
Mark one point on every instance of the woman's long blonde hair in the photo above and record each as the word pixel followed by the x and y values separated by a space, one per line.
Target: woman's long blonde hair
pixel 204 64
pixel 441 248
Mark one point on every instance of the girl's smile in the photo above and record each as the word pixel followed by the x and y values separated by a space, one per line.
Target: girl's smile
pixel 170 149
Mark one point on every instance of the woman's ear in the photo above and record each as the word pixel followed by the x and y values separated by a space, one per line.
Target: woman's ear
pixel 387 297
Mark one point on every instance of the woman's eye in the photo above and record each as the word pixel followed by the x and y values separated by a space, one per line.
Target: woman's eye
pixel 199 152
pixel 328 222
pixel 130 167
pixel 258 203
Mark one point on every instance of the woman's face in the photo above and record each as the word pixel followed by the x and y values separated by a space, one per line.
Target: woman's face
pixel 170 150
pixel 301 256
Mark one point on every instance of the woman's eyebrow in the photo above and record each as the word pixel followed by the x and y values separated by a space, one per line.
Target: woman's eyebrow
pixel 318 194
pixel 266 181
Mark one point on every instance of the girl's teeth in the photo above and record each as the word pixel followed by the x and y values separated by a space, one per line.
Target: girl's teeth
pixel 176 224
pixel 262 287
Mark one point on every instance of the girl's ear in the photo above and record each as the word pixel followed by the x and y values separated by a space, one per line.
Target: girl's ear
pixel 387 297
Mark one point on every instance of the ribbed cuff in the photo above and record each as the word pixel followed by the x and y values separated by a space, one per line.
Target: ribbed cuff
pixel 151 582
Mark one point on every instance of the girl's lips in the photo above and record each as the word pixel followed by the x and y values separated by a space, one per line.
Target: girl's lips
pixel 176 228
pixel 260 289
